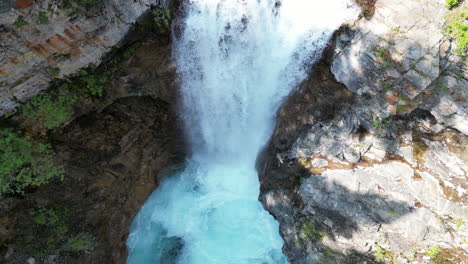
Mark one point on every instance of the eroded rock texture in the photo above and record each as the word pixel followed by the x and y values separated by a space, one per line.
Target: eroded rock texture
pixel 55 41
pixel 368 161
pixel 115 154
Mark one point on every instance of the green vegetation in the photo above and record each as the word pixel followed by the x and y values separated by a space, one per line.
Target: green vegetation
pixel 92 83
pixel 386 86
pixel 433 251
pixel 457 29
pixel 24 163
pixel 20 22
pixel 459 223
pixel 52 232
pixel 161 16
pixel 377 121
pixel 382 255
pixel 400 108
pixel 309 230
pixel 385 61
pixel 42 19
pixel 452 3
pixel 50 111
pixel 403 98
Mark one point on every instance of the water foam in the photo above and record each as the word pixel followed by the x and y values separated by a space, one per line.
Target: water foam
pixel 237 60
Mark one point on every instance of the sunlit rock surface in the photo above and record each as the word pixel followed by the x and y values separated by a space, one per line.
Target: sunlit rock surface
pixel 368 161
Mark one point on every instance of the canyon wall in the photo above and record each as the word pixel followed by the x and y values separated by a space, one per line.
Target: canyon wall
pixel 368 161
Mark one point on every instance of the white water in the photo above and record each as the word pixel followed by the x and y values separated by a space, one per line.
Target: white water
pixel 237 60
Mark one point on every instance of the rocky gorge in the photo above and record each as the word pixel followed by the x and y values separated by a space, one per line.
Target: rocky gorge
pixel 367 163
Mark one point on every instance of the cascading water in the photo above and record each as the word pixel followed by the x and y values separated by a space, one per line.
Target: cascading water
pixel 237 60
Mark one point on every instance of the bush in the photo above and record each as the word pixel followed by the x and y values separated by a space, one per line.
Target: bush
pixel 452 3
pixel 162 17
pixel 50 112
pixel 24 163
pixel 93 84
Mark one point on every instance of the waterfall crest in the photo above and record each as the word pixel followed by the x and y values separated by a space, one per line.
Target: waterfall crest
pixel 237 60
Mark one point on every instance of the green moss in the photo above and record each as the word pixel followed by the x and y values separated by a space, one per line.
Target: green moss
pixel 459 223
pixel 50 111
pixel 24 163
pixel 20 22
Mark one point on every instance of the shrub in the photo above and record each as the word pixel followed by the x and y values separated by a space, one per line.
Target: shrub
pixel 92 83
pixel 50 112
pixel 452 3
pixel 24 163
pixel 162 17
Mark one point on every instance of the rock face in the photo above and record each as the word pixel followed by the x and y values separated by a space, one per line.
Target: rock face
pixel 113 158
pixel 368 162
pixel 41 40
pixel 401 57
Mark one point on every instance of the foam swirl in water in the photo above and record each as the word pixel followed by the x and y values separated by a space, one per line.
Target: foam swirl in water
pixel 237 60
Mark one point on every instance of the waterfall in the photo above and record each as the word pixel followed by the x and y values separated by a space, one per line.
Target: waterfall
pixel 237 60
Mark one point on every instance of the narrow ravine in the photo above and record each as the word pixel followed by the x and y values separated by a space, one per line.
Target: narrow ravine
pixel 237 61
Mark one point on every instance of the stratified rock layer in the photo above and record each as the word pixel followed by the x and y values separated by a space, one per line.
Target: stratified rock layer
pixel 33 54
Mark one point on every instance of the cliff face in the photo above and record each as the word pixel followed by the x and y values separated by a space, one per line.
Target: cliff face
pixel 368 160
pixel 114 152
pixel 43 40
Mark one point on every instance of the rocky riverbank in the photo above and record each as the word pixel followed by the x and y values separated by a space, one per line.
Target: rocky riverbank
pixel 368 161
